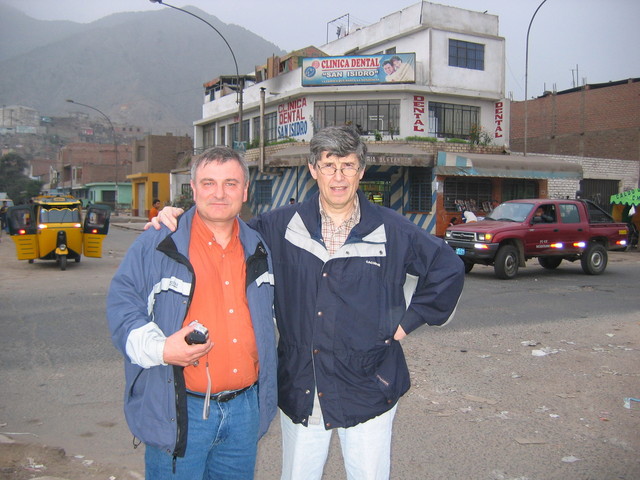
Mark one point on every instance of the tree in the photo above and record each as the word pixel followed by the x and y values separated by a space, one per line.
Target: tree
pixel 13 180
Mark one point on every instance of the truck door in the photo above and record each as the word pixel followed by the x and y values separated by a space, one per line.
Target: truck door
pixel 573 227
pixel 96 227
pixel 544 236
pixel 21 221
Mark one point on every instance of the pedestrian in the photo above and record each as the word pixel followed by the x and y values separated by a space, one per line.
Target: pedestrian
pixel 3 216
pixel 155 208
pixel 352 279
pixel 199 404
pixel 292 201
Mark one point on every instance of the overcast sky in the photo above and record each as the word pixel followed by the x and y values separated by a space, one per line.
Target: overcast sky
pixel 570 41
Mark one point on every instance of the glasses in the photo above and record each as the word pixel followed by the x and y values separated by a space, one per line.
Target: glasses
pixel 347 170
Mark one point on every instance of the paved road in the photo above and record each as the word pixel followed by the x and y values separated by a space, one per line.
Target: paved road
pixel 482 406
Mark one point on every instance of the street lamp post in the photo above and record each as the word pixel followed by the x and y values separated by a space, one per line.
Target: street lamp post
pixel 239 81
pixel 526 80
pixel 115 145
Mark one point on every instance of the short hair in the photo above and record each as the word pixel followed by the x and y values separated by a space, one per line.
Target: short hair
pixel 220 155
pixel 394 58
pixel 339 141
pixel 155 200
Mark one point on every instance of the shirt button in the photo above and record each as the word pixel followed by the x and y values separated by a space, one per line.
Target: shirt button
pixel 320 394
pixel 235 370
pixel 328 425
pixel 227 282
pixel 319 314
pixel 307 392
pixel 235 340
pixel 387 341
pixel 316 351
pixel 231 310
pixel 210 244
pixel 325 274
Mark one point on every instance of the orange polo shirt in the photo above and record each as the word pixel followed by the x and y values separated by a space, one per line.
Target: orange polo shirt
pixel 220 303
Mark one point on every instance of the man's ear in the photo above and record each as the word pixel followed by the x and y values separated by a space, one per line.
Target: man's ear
pixel 313 171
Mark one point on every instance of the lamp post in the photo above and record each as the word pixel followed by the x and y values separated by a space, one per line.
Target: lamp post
pixel 526 79
pixel 239 82
pixel 115 145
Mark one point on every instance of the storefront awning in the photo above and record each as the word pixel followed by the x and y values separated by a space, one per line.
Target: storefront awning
pixel 377 154
pixel 506 166
pixel 630 197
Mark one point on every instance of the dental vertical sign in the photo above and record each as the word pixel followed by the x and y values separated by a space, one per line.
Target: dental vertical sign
pixel 292 120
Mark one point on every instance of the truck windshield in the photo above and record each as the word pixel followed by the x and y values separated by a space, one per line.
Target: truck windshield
pixel 510 212
pixel 60 215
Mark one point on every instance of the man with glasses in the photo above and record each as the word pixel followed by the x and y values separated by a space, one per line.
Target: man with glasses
pixel 352 279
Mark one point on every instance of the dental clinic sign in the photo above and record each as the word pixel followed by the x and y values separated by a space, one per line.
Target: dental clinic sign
pixel 292 118
pixel 359 69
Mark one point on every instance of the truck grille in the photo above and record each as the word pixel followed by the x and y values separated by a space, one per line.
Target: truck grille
pixel 468 236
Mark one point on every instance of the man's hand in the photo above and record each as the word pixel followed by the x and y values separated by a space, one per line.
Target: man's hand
pixel 178 352
pixel 400 333
pixel 167 216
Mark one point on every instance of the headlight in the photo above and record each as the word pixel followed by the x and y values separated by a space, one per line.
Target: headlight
pixel 484 237
pixel 447 234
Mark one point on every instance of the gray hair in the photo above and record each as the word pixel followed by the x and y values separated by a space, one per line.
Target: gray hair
pixel 220 155
pixel 339 141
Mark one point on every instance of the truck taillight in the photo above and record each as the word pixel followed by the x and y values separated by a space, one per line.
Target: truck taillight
pixel 95 230
pixel 42 226
pixel 21 232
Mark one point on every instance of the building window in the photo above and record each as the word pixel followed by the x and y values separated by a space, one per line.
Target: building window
pixel 209 135
pixel 420 189
pixel 263 192
pixel 245 131
pixel 466 54
pixel 466 193
pixel 517 188
pixel 155 189
pixel 270 128
pixel 367 116
pixel 186 191
pixel 448 120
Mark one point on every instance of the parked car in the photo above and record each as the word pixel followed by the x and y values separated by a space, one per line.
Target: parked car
pixel 547 229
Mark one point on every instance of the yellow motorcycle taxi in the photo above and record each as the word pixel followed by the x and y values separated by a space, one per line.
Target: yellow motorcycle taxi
pixel 51 228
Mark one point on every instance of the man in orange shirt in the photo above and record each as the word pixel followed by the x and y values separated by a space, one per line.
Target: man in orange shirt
pixel 200 407
pixel 155 208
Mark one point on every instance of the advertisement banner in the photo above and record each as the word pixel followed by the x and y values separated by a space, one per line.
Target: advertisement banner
pixel 359 69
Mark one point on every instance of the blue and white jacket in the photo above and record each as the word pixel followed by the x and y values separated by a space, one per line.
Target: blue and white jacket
pixel 148 300
pixel 337 315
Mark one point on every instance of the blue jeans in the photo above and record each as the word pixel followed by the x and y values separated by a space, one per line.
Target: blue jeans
pixel 223 447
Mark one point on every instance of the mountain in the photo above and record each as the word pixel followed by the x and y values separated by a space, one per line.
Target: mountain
pixel 139 68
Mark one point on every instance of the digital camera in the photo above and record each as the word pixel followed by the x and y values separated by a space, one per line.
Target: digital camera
pixel 199 335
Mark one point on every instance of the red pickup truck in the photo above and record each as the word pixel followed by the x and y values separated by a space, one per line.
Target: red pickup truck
pixel 551 230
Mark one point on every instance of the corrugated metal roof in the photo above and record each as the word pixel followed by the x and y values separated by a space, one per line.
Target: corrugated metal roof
pixel 506 166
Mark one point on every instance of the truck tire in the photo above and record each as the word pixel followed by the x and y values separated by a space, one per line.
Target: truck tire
pixel 506 262
pixel 468 266
pixel 594 259
pixel 550 263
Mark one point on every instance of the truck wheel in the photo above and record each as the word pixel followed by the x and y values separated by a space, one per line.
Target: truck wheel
pixel 63 262
pixel 594 259
pixel 468 266
pixel 506 262
pixel 550 263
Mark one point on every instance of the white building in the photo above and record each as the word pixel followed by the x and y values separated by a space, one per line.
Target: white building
pixel 437 122
pixel 459 64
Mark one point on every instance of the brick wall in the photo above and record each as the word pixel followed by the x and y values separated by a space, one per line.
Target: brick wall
pixel 594 121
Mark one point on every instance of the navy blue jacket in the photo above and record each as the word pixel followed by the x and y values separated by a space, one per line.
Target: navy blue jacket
pixel 337 315
pixel 155 283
